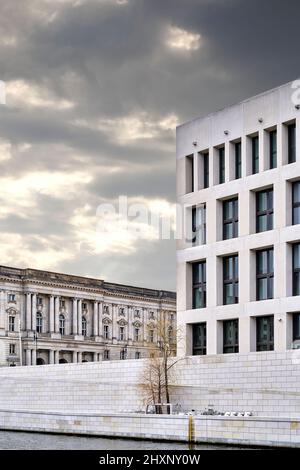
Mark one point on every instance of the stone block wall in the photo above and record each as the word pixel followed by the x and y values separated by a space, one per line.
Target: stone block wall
pixel 268 384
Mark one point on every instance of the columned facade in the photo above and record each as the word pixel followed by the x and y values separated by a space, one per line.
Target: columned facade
pixel 67 318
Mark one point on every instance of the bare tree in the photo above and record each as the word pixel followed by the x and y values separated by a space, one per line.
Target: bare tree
pixel 156 373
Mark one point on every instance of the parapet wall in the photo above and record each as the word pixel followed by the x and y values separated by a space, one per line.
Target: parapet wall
pixel 267 383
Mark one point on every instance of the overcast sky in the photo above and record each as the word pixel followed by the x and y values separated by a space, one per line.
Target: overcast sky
pixel 95 89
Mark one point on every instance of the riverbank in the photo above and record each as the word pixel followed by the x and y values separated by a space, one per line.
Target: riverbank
pixel 250 431
pixel 11 440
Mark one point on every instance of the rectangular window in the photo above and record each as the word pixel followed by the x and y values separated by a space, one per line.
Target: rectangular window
pixel 238 160
pixel 230 218
pixel 84 306
pixel 39 301
pixel 199 339
pixel 292 143
pixel 199 285
pixel 11 297
pixel 12 323
pixel 296 269
pixel 230 336
pixel 106 331
pixel 205 157
pixel 189 174
pixel 62 303
pixel 106 354
pixel 265 333
pixel 137 355
pixel 296 326
pixel 151 336
pixel 12 349
pixel 264 274
pixel 121 333
pixel 296 202
pixel 255 155
pixel 264 210
pixel 273 149
pixel 199 225
pixel 230 280
pixel 221 165
pixel 136 334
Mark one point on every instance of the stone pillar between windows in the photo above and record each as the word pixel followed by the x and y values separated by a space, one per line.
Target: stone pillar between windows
pixel 95 357
pixel 95 319
pixel 33 357
pixel 74 357
pixel 79 356
pixel 100 314
pixel 28 312
pixel 56 357
pixel 51 356
pixel 113 324
pixel 130 324
pixel 145 329
pixel 75 321
pixel 33 312
pixel 56 314
pixel 51 314
pixel 79 316
pixel 28 357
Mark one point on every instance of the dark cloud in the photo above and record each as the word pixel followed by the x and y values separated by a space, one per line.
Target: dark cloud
pixel 112 62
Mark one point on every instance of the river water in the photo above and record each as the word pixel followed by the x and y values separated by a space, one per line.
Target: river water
pixel 34 441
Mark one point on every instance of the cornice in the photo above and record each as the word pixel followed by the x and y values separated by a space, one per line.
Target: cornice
pixel 78 288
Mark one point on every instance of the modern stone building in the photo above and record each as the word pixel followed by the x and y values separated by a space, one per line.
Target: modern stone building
pixel 58 318
pixel 238 273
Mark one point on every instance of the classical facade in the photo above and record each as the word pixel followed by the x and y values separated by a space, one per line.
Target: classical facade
pixel 238 266
pixel 50 318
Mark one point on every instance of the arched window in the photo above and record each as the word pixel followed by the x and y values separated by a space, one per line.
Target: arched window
pixel 62 322
pixel 39 322
pixel 84 326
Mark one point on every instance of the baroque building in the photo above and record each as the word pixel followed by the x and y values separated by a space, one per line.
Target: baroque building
pixel 238 267
pixel 51 318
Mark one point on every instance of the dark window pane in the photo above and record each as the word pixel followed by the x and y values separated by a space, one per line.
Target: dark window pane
pixel 230 336
pixel 230 280
pixel 221 165
pixel 296 269
pixel 199 225
pixel 265 333
pixel 238 160
pixel 296 202
pixel 292 143
pixel 273 149
pixel 199 285
pixel 230 219
pixel 205 170
pixel 255 155
pixel 199 339
pixel 296 326
pixel 264 210
pixel 264 274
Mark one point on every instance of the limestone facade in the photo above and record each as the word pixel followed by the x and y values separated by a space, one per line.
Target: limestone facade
pixel 238 179
pixel 51 318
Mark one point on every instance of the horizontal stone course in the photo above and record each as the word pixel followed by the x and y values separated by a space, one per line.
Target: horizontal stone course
pixel 257 382
pixel 245 431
